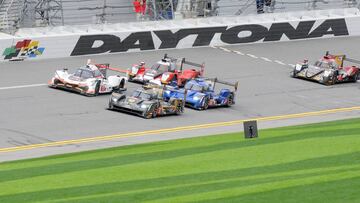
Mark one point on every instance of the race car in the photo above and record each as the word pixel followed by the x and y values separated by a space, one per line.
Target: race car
pixel 146 102
pixel 89 80
pixel 328 70
pixel 201 93
pixel 181 76
pixel 165 71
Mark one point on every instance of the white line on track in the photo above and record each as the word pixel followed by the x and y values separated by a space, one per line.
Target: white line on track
pixel 253 56
pixel 238 52
pixel 266 59
pixel 224 49
pixel 279 62
pixel 22 86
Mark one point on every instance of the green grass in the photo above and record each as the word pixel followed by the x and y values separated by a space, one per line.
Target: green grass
pixel 310 163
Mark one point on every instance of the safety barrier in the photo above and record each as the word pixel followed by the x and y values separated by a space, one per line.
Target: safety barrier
pixel 65 41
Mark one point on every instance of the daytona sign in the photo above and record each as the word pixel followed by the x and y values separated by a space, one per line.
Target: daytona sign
pixel 204 36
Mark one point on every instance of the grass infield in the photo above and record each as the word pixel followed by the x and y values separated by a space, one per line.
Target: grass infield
pixel 309 163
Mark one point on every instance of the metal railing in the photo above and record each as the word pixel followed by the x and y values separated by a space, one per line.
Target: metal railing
pixel 81 12
pixel 10 15
pixel 246 7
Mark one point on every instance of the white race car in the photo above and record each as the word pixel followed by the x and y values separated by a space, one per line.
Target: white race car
pixel 89 80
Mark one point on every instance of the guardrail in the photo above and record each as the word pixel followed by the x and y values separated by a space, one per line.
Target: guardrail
pixel 65 41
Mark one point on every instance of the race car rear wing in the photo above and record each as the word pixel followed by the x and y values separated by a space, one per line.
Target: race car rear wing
pixel 103 68
pixel 352 60
pixel 184 61
pixel 216 80
pixel 106 66
pixel 341 58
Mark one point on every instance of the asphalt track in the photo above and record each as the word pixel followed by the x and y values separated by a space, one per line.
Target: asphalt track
pixel 33 114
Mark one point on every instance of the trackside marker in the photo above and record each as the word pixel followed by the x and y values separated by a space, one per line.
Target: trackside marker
pixel 22 86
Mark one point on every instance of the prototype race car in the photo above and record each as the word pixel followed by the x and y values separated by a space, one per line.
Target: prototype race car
pixel 181 76
pixel 328 70
pixel 146 102
pixel 201 93
pixel 89 80
pixel 165 71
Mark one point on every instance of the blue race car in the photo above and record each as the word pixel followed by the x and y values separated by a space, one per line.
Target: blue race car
pixel 201 93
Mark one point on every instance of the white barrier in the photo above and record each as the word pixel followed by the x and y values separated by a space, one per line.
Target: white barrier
pixel 40 43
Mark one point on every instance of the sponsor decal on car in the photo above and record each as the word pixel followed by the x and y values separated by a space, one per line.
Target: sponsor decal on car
pixel 247 33
pixel 23 49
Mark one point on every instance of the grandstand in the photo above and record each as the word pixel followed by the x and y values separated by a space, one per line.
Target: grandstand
pixel 15 14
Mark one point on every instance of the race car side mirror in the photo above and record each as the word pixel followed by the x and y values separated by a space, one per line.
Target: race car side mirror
pixel 65 69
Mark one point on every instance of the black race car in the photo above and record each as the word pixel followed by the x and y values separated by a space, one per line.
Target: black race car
pixel 146 102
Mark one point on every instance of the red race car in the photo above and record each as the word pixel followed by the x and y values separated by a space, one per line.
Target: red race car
pixel 328 70
pixel 167 70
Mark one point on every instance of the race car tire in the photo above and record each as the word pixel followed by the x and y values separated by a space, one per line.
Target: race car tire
pixel 151 112
pixel 205 104
pixel 325 81
pixel 179 110
pixel 356 77
pixel 293 74
pixel 110 106
pixel 120 87
pixel 122 84
pixel 130 78
pixel 56 82
pixel 97 88
pixel 333 79
pixel 230 100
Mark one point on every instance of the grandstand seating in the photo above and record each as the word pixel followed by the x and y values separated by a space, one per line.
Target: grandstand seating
pixel 16 13
pixel 246 7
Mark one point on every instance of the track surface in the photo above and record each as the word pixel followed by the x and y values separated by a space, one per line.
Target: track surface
pixel 39 114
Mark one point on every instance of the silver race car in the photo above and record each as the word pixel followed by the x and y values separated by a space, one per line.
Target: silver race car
pixel 328 70
pixel 146 102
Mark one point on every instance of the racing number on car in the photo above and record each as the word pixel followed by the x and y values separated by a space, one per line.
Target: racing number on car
pixel 102 88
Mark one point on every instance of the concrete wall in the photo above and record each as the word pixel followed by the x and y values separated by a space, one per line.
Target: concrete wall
pixel 36 43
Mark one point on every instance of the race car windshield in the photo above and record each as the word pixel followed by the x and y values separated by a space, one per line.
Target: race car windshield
pixel 142 95
pixel 160 67
pixel 84 74
pixel 326 64
pixel 77 73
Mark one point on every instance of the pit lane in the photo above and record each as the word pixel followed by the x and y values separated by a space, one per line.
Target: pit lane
pixel 38 114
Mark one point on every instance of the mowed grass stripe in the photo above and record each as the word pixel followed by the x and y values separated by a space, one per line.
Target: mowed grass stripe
pixel 155 189
pixel 215 168
pixel 201 191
